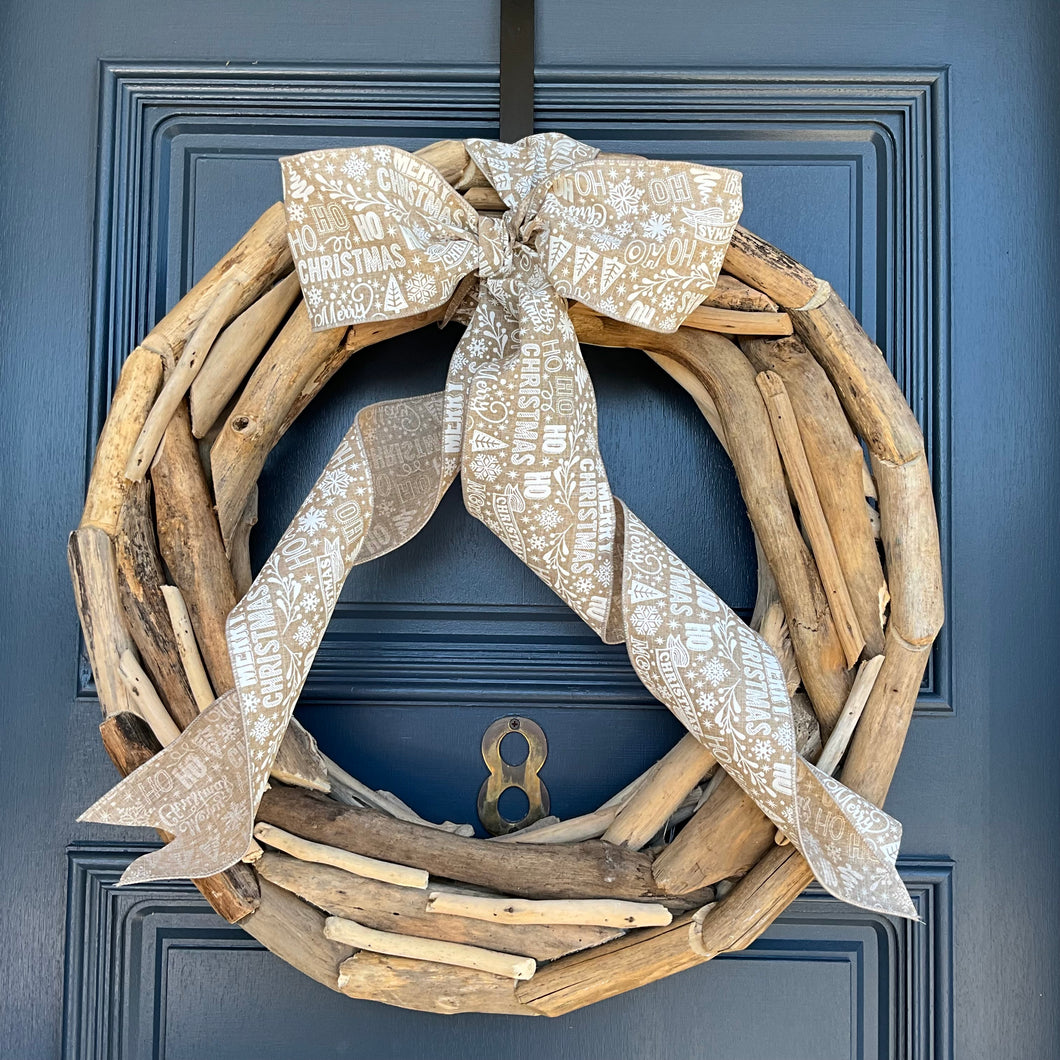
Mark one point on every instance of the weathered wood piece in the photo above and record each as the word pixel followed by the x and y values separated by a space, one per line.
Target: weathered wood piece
pixel 814 523
pixel 573 830
pixel 322 854
pixel 239 545
pixel 839 474
pixel 233 354
pixel 583 870
pixel 728 833
pixel 656 800
pixel 731 293
pixel 738 322
pixel 601 912
pixel 187 648
pixel 720 369
pixel 145 699
pixel 509 965
pixel 190 541
pixel 95 577
pixel 180 378
pixel 140 579
pixel 138 385
pixel 298 760
pixel 404 910
pixel 294 931
pixel 763 266
pixel 129 742
pixel 427 986
pixel 263 255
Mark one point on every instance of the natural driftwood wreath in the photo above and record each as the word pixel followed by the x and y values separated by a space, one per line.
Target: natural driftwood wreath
pixel 788 381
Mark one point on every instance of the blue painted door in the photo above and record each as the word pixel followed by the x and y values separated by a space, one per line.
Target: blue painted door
pixel 905 151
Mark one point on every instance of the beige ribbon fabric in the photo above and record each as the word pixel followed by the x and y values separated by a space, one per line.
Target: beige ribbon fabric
pixel 378 234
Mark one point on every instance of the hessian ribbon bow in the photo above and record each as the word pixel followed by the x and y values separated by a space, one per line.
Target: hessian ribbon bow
pixel 378 234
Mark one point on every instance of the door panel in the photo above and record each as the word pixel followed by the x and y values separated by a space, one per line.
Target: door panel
pixel 872 139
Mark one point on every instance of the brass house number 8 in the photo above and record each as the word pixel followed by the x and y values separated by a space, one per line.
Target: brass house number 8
pixel 504 775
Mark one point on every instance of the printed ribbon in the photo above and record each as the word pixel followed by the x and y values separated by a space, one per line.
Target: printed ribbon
pixel 379 234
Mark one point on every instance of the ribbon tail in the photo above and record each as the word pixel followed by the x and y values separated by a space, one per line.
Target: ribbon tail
pixel 199 789
pixel 850 844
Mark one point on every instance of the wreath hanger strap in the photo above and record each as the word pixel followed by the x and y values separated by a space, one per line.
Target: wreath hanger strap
pixel 377 234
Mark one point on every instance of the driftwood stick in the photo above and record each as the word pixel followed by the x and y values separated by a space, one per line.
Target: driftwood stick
pixel 583 870
pixel 299 761
pixel 634 960
pixel 762 266
pixel 141 377
pixel 92 566
pixel 140 579
pixel 731 293
pixel 728 833
pixel 573 830
pixel 187 648
pixel 737 322
pixel 351 933
pixel 814 522
pixel 404 910
pixel 191 545
pixel 129 742
pixel 145 699
pixel 263 255
pixel 221 310
pixel 721 370
pixel 596 911
pixel 657 799
pixel 321 854
pixel 294 931
pixel 233 354
pixel 239 546
pixel 837 464
pixel 428 986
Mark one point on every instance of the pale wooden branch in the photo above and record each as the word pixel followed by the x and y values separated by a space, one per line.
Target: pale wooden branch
pixel 761 265
pixel 594 911
pixel 140 579
pixel 404 910
pixel 294 931
pixel 145 699
pixel 141 377
pixel 428 986
pixel 187 648
pixel 357 935
pixel 263 255
pixel 583 870
pixel 233 354
pixel 95 577
pixel 660 796
pixel 837 463
pixel 731 293
pixel 814 522
pixel 322 854
pixel 220 312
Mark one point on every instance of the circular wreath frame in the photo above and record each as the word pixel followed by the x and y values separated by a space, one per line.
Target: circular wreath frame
pixel 157 564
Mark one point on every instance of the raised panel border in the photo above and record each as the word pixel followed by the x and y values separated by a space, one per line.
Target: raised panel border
pixel 145 107
pixel 117 940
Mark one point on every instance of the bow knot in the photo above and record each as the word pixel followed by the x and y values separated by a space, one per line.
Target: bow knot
pixel 496 241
